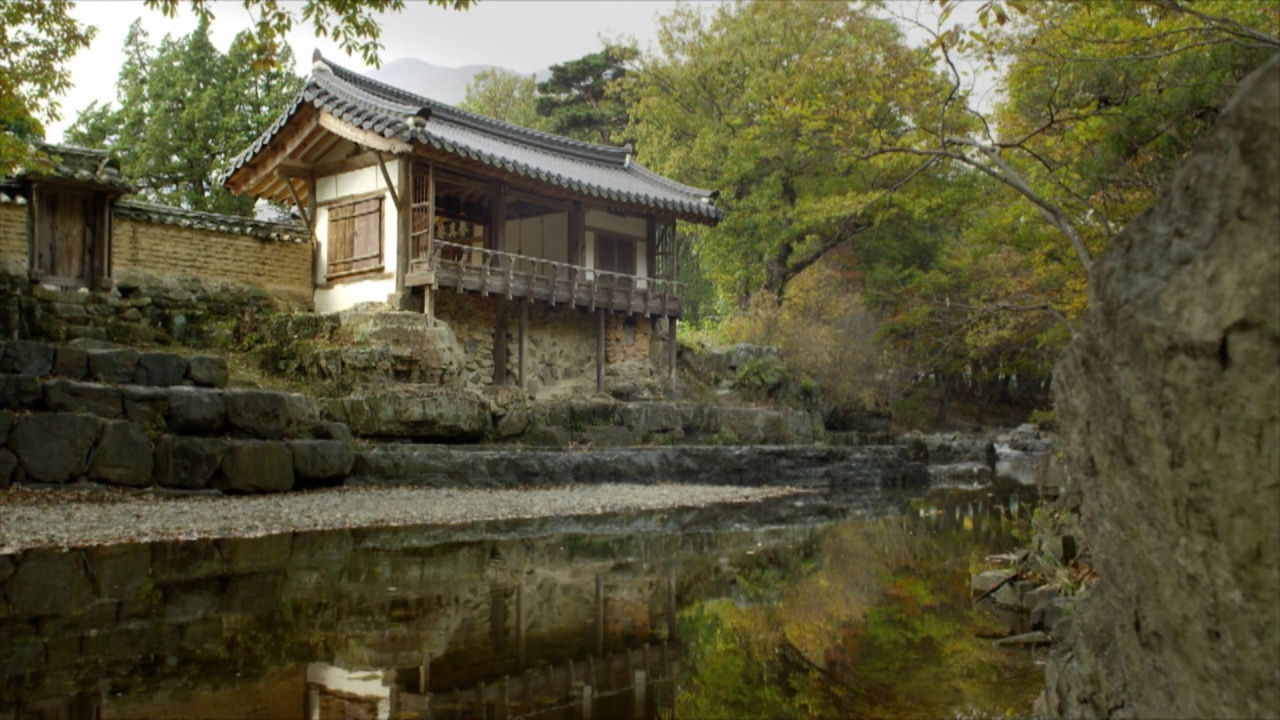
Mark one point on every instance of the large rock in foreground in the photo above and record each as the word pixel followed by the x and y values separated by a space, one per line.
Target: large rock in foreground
pixel 1170 406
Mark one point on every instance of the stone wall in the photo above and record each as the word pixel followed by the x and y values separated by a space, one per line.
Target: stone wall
pixel 146 251
pixel 561 344
pixel 191 311
pixel 1169 402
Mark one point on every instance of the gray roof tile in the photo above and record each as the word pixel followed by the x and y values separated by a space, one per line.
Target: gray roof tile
pixel 598 171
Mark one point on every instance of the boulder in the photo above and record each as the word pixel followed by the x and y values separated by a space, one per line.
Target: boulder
pixel 71 363
pixel 113 366
pixel 54 447
pixel 160 369
pixel 187 463
pixel 321 459
pixel 434 414
pixel 207 371
pixel 79 397
pixel 8 463
pixel 147 406
pixel 258 413
pixel 123 457
pixel 49 582
pixel 19 392
pixel 26 357
pixel 255 466
pixel 1168 403
pixel 196 411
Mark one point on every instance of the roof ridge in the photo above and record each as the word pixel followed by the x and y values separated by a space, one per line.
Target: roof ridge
pixel 159 208
pixel 552 143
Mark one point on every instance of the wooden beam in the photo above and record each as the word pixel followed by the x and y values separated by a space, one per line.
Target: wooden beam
pixel 371 140
pixel 301 207
pixel 386 176
pixel 281 146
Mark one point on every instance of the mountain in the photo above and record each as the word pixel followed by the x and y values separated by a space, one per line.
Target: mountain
pixel 446 84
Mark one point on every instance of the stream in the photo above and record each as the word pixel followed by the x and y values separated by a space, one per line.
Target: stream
pixel 855 604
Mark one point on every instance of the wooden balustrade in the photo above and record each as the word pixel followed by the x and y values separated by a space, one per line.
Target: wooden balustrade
pixel 492 272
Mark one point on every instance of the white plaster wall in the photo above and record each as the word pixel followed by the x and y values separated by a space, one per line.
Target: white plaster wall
pixel 372 684
pixel 601 220
pixel 343 294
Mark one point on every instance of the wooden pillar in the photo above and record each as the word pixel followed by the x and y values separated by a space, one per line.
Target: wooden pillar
pixel 424 674
pixel 650 250
pixel 498 217
pixel 428 306
pixel 600 350
pixel 520 646
pixel 599 614
pixel 523 305
pixel 671 355
pixel 404 215
pixel 671 606
pixel 500 346
pixel 577 235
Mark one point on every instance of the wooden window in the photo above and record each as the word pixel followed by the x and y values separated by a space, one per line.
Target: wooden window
pixel 355 237
pixel 616 254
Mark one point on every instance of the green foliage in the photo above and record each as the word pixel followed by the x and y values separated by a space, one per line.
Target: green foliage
pixel 183 109
pixel 37 38
pixel 504 96
pixel 770 103
pixel 579 99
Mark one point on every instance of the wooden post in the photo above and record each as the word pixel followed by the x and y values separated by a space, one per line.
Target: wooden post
pixel 428 307
pixel 671 355
pixel 424 674
pixel 586 702
pixel 600 350
pixel 638 679
pixel 500 347
pixel 520 605
pixel 312 710
pixel 523 305
pixel 671 606
pixel 600 613
pixel 577 235
pixel 404 216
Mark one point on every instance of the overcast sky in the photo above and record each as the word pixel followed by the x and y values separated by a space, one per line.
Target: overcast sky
pixel 521 35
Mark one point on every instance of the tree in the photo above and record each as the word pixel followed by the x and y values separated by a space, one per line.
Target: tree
pixel 1100 103
pixel 183 110
pixel 579 101
pixel 37 37
pixel 768 102
pixel 505 96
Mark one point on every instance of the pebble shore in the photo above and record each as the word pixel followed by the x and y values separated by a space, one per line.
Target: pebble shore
pixel 78 518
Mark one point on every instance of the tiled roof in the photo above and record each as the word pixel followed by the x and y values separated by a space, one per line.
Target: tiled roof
pixel 604 172
pixel 230 224
pixel 83 165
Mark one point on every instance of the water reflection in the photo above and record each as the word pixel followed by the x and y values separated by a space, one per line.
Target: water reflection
pixel 606 617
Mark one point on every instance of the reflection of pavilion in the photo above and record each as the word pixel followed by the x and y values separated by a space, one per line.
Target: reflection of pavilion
pixel 634 682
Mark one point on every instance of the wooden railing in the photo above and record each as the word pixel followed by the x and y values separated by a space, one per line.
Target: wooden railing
pixel 491 272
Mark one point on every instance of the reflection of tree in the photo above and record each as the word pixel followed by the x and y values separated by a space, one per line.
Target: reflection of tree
pixel 880 627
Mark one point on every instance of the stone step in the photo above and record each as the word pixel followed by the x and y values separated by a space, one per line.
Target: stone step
pixel 112 365
pixel 56 448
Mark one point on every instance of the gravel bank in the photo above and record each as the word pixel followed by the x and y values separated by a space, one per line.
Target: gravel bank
pixel 77 518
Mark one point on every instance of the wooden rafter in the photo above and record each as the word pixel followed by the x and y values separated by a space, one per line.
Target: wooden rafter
pixel 301 131
pixel 366 138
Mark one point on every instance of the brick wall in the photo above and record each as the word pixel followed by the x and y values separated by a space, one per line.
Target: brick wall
pixel 282 268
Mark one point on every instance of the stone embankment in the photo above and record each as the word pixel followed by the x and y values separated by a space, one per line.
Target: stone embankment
pixel 84 413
